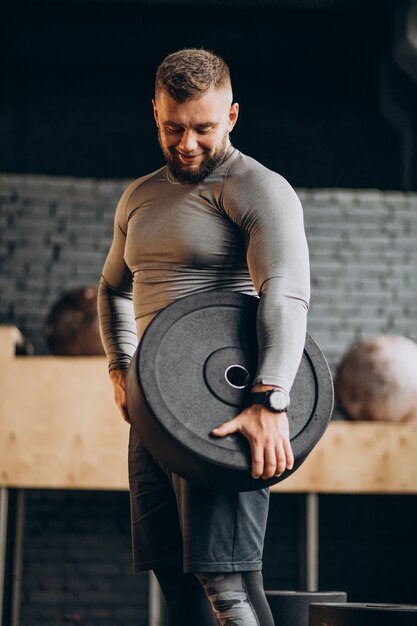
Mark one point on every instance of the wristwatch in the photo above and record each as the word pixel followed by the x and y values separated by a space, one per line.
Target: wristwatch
pixel 276 400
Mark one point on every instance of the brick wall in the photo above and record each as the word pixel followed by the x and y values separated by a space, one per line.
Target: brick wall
pixel 54 235
pixel 77 561
pixel 55 232
pixel 363 259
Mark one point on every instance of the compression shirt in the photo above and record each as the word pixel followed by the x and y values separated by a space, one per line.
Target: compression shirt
pixel 240 229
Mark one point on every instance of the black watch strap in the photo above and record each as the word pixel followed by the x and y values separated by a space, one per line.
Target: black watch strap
pixel 263 397
pixel 259 397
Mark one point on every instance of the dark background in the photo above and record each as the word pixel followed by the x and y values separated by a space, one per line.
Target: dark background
pixel 77 82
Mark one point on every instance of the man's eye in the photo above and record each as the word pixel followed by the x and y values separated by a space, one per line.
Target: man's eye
pixel 170 129
pixel 203 131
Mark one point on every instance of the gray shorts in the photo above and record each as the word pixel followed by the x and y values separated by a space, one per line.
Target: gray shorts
pixel 175 522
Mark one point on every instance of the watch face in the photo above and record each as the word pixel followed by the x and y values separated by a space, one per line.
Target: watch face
pixel 278 400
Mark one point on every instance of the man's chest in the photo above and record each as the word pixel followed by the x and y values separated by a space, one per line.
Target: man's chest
pixel 182 229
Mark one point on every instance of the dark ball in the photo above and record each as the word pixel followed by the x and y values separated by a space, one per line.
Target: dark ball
pixel 72 326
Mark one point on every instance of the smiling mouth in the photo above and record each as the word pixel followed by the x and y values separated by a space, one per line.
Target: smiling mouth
pixel 188 158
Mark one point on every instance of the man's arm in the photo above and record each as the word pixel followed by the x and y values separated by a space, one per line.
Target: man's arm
pixel 269 213
pixel 118 334
pixel 115 309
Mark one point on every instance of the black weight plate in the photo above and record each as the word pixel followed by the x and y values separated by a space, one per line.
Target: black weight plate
pixel 185 380
pixel 290 608
pixel 355 614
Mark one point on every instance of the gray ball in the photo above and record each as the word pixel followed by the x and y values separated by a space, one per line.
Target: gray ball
pixel 377 380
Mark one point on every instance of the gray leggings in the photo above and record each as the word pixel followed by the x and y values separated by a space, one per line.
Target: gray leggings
pixel 214 599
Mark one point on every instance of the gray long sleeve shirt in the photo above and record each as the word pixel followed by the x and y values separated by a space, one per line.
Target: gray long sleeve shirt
pixel 240 229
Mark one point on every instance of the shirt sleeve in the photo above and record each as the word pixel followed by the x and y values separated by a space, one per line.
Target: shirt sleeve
pixel 115 302
pixel 267 210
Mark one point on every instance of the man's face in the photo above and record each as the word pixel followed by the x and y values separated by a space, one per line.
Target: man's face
pixel 194 135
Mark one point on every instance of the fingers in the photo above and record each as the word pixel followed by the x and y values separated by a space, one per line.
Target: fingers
pixel 118 378
pixel 289 454
pixel 271 454
pixel 272 460
pixel 281 459
pixel 120 399
pixel 227 428
pixel 258 463
pixel 268 461
pixel 125 414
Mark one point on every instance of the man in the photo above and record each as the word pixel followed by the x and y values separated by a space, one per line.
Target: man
pixel 212 218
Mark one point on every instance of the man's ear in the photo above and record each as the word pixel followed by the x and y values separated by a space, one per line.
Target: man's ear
pixel 233 115
pixel 155 112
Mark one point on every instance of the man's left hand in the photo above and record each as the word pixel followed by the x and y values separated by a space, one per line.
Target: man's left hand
pixel 268 436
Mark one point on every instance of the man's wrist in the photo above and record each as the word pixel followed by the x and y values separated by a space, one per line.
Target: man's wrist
pixel 272 397
pixel 260 387
pixel 117 375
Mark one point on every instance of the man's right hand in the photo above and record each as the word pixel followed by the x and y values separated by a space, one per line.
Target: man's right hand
pixel 118 378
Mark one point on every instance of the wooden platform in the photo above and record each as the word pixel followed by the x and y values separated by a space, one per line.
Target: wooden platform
pixel 59 428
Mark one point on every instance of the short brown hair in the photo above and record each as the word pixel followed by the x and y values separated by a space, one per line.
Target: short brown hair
pixel 189 73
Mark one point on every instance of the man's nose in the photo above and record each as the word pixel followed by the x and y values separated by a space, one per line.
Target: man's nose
pixel 188 141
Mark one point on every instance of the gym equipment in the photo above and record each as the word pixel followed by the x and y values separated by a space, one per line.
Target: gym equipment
pixel 352 614
pixel 72 327
pixel 376 379
pixel 290 608
pixel 192 372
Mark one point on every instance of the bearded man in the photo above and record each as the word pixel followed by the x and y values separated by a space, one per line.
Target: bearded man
pixel 212 218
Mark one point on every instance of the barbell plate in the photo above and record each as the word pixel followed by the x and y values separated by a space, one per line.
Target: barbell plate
pixel 358 614
pixel 290 608
pixel 188 376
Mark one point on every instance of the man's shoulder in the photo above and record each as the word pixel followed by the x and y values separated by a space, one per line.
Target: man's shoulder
pixel 248 172
pixel 141 183
pixel 135 193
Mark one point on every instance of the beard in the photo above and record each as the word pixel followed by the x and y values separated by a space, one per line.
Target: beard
pixel 206 167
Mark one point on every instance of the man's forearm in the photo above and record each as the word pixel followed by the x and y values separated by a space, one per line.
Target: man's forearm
pixel 117 326
pixel 281 324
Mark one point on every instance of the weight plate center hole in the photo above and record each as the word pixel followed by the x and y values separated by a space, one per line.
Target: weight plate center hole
pixel 237 376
